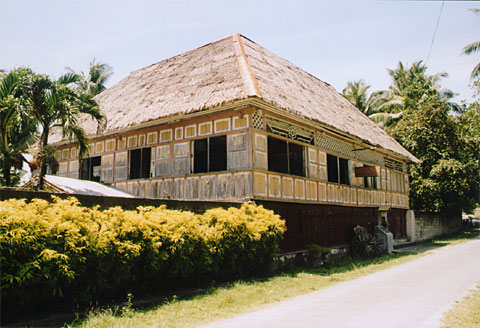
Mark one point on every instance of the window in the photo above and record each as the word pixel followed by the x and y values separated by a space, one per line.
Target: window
pixel 210 154
pixel 90 168
pixel 140 161
pixel 370 182
pixel 285 157
pixel 338 169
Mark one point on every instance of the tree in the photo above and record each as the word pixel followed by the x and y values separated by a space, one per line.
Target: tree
pixel 468 124
pixel 403 78
pixel 17 129
pixel 94 82
pixel 472 48
pixel 356 93
pixel 390 110
pixel 59 103
pixel 445 180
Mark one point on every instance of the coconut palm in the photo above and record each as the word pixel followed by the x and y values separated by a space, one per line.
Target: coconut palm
pixel 472 48
pixel 405 79
pixel 17 129
pixel 94 82
pixel 58 104
pixel 356 93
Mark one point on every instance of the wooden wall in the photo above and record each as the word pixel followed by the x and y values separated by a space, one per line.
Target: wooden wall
pixel 325 225
pixel 316 189
pixel 247 176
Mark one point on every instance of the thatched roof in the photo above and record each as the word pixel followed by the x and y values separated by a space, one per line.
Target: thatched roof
pixel 224 71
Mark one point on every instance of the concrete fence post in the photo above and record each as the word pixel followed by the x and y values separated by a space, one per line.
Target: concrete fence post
pixel 411 225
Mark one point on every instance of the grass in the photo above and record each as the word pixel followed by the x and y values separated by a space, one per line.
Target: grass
pixel 455 239
pixel 465 313
pixel 240 297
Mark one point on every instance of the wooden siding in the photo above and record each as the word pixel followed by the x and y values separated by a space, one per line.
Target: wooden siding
pixel 246 177
pixel 282 187
pixel 212 186
pixel 324 225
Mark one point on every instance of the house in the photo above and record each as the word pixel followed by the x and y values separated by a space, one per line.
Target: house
pixel 231 121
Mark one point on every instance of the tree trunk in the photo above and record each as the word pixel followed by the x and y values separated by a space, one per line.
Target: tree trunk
pixel 43 166
pixel 7 176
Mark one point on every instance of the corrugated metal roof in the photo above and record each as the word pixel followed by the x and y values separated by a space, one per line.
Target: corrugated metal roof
pixel 84 187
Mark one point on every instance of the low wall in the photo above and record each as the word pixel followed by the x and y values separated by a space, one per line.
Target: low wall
pixel 126 203
pixel 424 226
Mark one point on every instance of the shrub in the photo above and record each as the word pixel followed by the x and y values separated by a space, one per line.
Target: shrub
pixel 318 252
pixel 61 251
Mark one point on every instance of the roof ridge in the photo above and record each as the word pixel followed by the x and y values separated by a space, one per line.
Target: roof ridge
pixel 249 78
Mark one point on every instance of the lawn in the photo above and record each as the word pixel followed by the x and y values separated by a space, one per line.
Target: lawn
pixel 465 313
pixel 240 297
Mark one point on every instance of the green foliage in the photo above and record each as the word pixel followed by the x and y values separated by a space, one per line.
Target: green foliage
pixel 447 179
pixel 17 128
pixel 473 48
pixel 59 104
pixel 60 250
pixel 356 93
pixel 318 252
pixel 98 74
pixel 443 135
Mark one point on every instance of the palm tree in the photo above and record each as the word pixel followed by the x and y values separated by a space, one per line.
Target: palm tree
pixel 404 80
pixel 472 48
pixel 356 93
pixel 94 82
pixel 17 129
pixel 59 103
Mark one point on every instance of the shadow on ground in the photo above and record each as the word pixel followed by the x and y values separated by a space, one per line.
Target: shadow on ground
pixel 149 302
pixel 468 234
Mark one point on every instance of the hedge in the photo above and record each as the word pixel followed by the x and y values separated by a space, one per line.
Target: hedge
pixel 60 251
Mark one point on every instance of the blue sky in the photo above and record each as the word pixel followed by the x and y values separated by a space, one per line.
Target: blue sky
pixel 337 41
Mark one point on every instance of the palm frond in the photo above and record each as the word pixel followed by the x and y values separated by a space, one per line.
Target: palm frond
pixel 447 94
pixel 98 74
pixel 68 78
pixel 383 119
pixel 471 48
pixel 8 84
pixel 356 93
pixel 79 135
pixel 475 72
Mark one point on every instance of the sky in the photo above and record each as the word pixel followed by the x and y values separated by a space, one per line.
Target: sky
pixel 336 41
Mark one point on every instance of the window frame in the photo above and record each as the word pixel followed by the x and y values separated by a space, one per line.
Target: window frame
pixel 90 168
pixel 143 172
pixel 213 164
pixel 286 159
pixel 370 182
pixel 340 166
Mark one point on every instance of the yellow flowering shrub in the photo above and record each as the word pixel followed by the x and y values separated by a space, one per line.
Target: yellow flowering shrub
pixel 61 251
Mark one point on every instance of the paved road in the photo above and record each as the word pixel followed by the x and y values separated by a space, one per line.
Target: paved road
pixel 413 295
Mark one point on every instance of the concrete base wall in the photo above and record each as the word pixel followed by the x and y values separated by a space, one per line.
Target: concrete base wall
pixel 424 226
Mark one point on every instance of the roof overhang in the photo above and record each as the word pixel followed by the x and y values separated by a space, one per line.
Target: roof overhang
pixel 254 101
